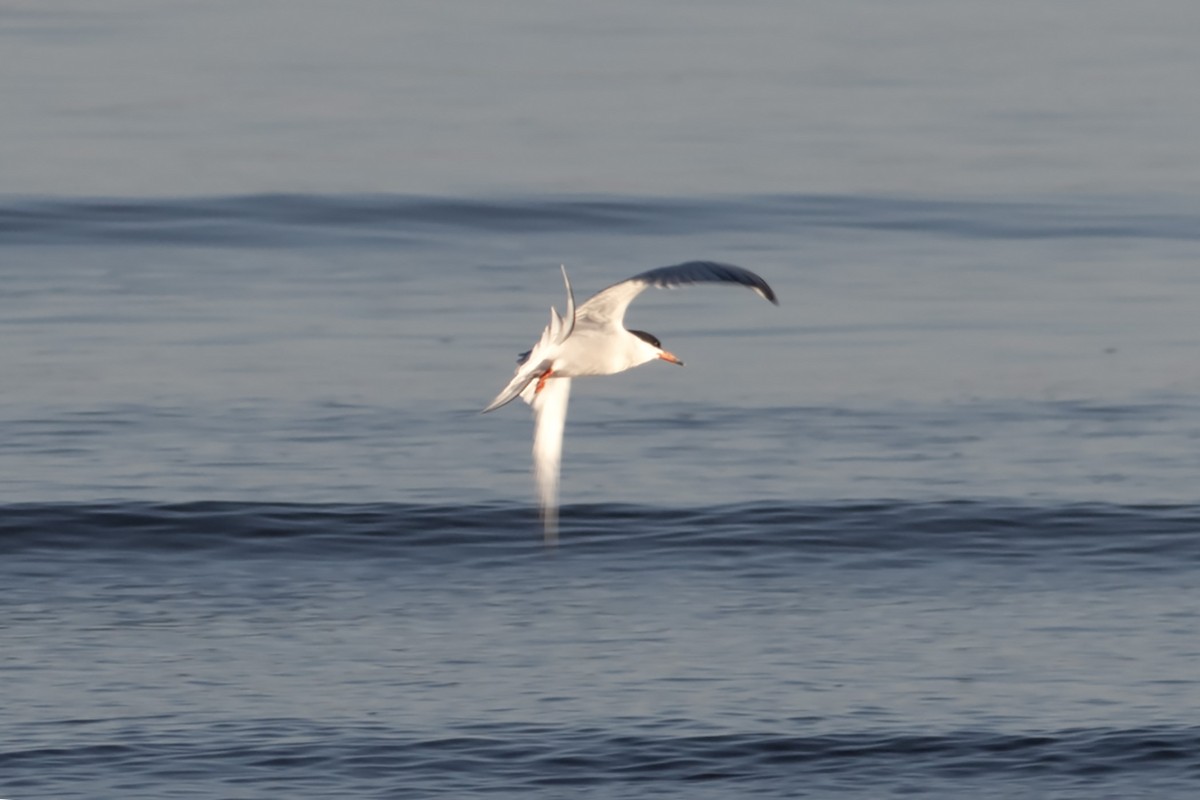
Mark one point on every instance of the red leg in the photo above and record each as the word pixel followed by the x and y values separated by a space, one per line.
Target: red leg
pixel 542 381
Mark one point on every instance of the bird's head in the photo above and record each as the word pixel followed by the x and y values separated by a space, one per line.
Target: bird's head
pixel 650 348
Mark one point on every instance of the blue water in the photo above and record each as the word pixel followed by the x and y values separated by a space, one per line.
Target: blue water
pixel 776 649
pixel 929 528
pixel 894 537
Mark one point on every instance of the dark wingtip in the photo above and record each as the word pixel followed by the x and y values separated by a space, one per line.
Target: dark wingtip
pixel 762 287
pixel 709 270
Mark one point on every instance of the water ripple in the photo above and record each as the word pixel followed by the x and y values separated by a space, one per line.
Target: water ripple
pixel 1111 536
pixel 297 755
pixel 273 220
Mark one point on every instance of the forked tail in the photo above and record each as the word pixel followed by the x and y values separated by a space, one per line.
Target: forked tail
pixel 539 359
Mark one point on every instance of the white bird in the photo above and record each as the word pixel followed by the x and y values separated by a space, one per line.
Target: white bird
pixel 593 340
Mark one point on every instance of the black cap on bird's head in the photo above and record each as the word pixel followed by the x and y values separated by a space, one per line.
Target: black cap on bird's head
pixel 652 340
pixel 648 338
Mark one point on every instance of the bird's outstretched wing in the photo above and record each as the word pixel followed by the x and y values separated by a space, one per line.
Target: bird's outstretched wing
pixel 539 359
pixel 607 307
pixel 549 418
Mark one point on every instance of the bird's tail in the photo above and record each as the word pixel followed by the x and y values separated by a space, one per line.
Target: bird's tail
pixel 533 363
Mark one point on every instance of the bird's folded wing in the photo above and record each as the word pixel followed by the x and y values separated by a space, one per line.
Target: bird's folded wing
pixel 524 378
pixel 532 364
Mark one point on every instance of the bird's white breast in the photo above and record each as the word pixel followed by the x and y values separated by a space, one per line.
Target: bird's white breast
pixel 597 352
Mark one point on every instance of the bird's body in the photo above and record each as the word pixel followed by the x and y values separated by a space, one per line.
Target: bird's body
pixel 594 350
pixel 593 340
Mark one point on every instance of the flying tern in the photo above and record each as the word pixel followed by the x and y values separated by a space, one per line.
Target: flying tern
pixel 593 340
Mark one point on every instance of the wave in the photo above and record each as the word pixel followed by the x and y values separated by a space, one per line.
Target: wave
pixel 287 220
pixel 283 752
pixel 1098 534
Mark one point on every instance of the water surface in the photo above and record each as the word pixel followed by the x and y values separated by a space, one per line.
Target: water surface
pixel 928 528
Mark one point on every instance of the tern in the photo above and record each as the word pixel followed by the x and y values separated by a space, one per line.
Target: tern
pixel 593 340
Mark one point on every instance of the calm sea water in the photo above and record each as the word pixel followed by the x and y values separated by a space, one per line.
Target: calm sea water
pixel 930 528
